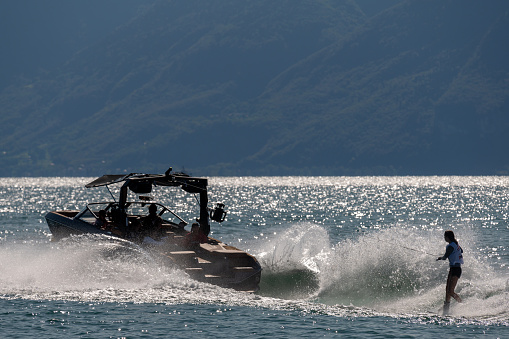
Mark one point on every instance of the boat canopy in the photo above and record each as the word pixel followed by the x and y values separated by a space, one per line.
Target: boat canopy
pixel 142 183
pixel 106 180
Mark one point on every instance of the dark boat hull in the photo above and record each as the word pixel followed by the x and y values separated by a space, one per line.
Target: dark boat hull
pixel 219 264
pixel 62 225
pixel 214 262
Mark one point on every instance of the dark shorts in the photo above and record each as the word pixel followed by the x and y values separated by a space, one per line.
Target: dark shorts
pixel 455 272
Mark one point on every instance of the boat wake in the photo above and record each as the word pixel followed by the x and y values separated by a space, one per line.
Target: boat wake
pixel 392 271
pixel 375 274
pixel 77 264
pixel 292 261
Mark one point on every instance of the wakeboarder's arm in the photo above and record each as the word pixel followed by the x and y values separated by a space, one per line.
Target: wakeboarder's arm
pixel 448 252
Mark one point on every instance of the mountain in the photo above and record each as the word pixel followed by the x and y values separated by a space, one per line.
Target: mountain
pixel 272 88
pixel 420 89
pixel 38 36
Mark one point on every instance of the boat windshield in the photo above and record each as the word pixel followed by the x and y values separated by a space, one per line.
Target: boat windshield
pixel 88 215
pixel 136 209
pixel 91 212
pixel 141 209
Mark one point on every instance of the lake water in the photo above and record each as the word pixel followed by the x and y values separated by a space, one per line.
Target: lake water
pixel 341 256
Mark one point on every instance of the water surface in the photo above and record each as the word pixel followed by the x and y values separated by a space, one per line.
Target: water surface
pixel 341 255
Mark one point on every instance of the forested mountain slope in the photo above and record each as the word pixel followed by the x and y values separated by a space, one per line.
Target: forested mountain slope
pixel 272 88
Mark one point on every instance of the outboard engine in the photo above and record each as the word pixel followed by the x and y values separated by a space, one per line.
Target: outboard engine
pixel 218 213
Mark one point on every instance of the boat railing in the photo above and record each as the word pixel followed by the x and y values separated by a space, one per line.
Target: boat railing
pixel 91 211
pixel 133 208
pixel 131 205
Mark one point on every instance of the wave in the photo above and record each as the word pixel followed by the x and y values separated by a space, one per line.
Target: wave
pixel 77 264
pixel 292 261
pixel 390 272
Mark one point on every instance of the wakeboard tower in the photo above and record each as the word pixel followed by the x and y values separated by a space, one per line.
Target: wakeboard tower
pixel 204 258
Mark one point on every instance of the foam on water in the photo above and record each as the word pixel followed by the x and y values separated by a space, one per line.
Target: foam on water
pixel 392 271
pixel 367 276
pixel 292 261
pixel 78 264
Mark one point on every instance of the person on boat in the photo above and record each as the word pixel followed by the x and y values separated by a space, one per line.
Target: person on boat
pixel 117 224
pixel 101 221
pixel 195 237
pixel 454 253
pixel 105 225
pixel 151 225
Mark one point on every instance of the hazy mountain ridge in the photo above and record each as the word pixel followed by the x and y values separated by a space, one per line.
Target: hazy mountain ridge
pixel 407 87
pixel 39 36
pixel 273 88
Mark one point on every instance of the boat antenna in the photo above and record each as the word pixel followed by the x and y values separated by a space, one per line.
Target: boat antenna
pixel 108 187
pixel 197 200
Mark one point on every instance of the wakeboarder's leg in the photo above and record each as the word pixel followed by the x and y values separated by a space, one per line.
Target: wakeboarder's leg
pixel 451 285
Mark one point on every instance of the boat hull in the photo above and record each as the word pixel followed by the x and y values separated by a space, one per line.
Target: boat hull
pixel 62 225
pixel 219 264
pixel 213 262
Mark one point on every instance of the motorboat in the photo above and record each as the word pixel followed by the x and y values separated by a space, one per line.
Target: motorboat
pixel 137 217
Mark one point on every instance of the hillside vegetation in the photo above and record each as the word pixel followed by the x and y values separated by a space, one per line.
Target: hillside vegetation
pixel 271 88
